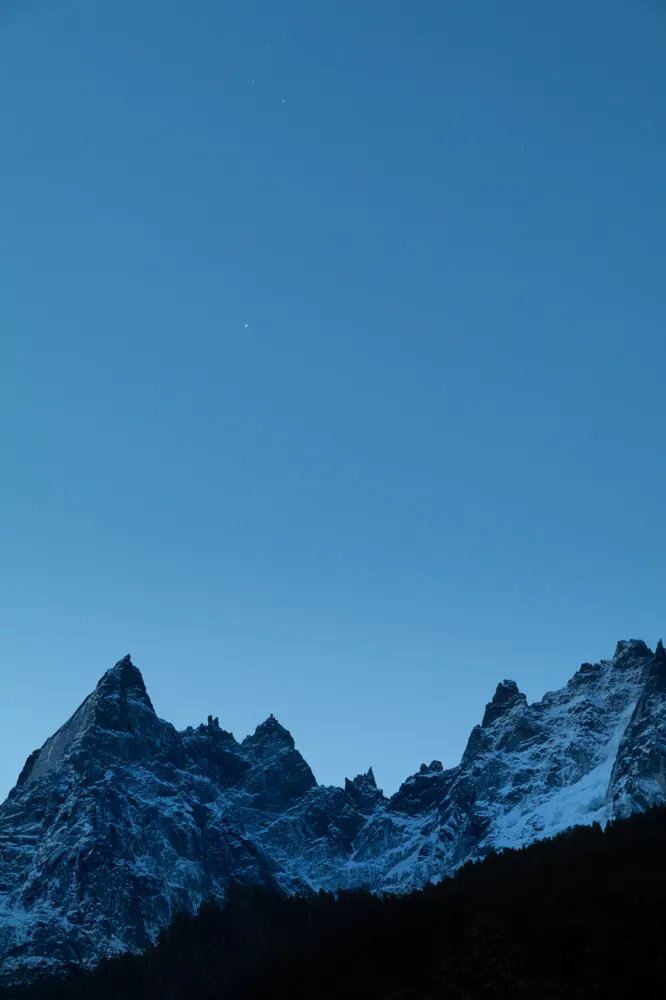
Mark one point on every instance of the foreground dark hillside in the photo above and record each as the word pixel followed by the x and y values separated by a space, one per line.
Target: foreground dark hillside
pixel 579 916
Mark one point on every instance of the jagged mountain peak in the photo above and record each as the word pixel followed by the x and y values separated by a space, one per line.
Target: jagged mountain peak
pixel 506 696
pixel 279 776
pixel 119 821
pixel 627 649
pixel 117 703
pixel 364 780
pixel 124 679
pixel 269 737
pixel 370 777
pixel 363 790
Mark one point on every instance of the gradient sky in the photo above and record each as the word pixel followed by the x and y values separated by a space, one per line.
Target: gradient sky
pixel 333 360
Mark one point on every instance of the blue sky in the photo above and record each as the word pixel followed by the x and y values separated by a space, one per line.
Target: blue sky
pixel 333 360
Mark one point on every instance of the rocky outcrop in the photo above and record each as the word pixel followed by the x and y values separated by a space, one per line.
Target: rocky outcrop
pixel 506 696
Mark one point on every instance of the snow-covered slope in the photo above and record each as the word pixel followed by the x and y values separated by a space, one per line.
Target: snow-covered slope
pixel 119 820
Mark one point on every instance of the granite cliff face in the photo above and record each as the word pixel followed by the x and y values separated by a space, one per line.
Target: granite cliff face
pixel 119 821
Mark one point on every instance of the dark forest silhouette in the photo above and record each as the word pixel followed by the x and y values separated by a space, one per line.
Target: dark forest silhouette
pixel 580 916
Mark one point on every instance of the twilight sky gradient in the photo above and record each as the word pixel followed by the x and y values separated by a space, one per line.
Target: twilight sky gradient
pixel 332 360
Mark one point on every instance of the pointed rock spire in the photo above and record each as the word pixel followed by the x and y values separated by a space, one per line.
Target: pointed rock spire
pixel 124 679
pixel 279 774
pixel 365 780
pixel 269 738
pixel 120 701
pixel 660 652
pixel 363 790
pixel 119 704
pixel 506 696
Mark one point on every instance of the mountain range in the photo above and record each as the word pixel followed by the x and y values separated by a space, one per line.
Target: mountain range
pixel 119 821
